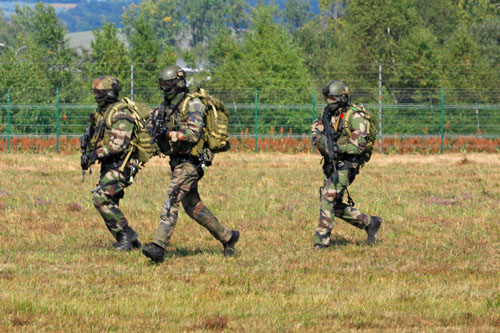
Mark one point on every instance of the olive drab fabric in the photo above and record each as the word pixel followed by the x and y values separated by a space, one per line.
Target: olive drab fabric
pixel 355 143
pixel 112 144
pixel 141 145
pixel 216 131
pixel 185 126
pixel 371 129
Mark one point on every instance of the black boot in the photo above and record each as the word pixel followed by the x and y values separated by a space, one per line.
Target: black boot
pixel 154 252
pixel 229 246
pixel 372 229
pixel 135 244
pixel 126 239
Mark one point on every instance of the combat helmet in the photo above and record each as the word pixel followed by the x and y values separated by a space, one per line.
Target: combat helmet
pixel 337 91
pixel 172 80
pixel 106 89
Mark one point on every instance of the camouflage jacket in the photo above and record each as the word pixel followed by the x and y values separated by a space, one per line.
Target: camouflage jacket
pixel 185 126
pixel 348 146
pixel 112 143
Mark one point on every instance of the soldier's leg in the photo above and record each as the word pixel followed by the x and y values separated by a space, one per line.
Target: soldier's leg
pixel 106 199
pixel 183 177
pixel 197 210
pixel 328 197
pixel 348 213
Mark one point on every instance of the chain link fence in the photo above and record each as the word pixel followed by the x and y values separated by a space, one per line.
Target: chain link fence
pixel 430 125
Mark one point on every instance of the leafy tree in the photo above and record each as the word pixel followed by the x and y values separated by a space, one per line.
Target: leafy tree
pixel 163 17
pixel 204 18
pixel 109 55
pixel 148 58
pixel 266 60
pixel 296 14
pixel 50 49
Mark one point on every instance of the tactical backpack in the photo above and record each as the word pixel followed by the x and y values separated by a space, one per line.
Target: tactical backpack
pixel 371 129
pixel 141 139
pixel 215 132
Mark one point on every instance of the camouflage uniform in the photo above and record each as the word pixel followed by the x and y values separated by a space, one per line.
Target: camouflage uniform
pixel 185 129
pixel 349 148
pixel 111 145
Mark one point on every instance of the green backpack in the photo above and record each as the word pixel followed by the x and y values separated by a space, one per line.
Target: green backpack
pixel 372 129
pixel 141 139
pixel 215 131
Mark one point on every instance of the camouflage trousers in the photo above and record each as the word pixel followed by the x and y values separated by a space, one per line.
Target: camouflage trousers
pixel 332 206
pixel 184 189
pixel 107 197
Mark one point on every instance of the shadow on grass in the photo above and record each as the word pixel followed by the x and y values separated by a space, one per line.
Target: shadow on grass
pixel 337 241
pixel 186 252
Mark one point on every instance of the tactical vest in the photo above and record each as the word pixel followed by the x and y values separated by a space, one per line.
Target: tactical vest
pixel 371 130
pixel 140 143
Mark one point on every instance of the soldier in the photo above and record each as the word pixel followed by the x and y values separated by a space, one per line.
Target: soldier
pixel 344 149
pixel 109 144
pixel 177 129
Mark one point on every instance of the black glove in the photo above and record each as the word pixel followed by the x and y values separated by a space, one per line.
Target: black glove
pixel 164 135
pixel 92 157
pixel 84 161
pixel 328 168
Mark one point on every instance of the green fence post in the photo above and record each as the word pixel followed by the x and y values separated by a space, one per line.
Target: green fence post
pixel 442 119
pixel 8 120
pixel 256 118
pixel 57 123
pixel 313 112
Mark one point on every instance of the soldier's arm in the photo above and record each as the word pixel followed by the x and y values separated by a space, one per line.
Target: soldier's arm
pixel 120 134
pixel 357 142
pixel 318 136
pixel 192 127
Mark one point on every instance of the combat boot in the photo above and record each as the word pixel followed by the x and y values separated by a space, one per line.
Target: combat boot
pixel 126 239
pixel 135 244
pixel 229 245
pixel 154 252
pixel 320 246
pixel 372 229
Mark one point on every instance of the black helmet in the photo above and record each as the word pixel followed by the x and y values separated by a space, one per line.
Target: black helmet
pixel 172 79
pixel 106 89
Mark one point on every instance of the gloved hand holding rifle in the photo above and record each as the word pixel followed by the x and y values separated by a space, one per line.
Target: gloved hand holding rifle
pixel 329 167
pixel 89 155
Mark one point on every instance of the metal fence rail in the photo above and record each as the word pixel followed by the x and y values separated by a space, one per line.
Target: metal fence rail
pixel 260 126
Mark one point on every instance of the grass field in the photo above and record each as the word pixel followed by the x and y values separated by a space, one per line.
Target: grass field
pixel 436 266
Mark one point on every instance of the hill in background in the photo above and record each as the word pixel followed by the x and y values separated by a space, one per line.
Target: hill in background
pixel 80 15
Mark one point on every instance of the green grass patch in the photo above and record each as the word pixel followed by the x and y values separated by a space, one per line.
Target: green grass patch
pixel 435 266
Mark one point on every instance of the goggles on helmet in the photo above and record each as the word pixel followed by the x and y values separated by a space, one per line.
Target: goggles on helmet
pixel 167 84
pixel 99 93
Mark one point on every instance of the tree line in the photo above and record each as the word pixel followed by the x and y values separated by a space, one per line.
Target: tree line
pixel 421 45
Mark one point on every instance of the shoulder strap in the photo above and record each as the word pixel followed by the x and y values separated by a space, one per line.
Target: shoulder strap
pixel 110 112
pixel 347 120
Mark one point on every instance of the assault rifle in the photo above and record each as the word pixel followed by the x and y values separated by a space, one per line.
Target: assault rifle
pixel 158 123
pixel 158 130
pixel 86 149
pixel 329 166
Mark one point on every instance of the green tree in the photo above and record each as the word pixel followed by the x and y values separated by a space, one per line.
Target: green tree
pixel 163 17
pixel 49 50
pixel 295 14
pixel 148 58
pixel 266 60
pixel 109 55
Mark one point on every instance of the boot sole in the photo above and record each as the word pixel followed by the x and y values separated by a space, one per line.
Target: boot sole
pixel 153 259
pixel 229 247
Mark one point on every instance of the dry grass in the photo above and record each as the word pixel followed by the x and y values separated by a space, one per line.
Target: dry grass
pixel 435 267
